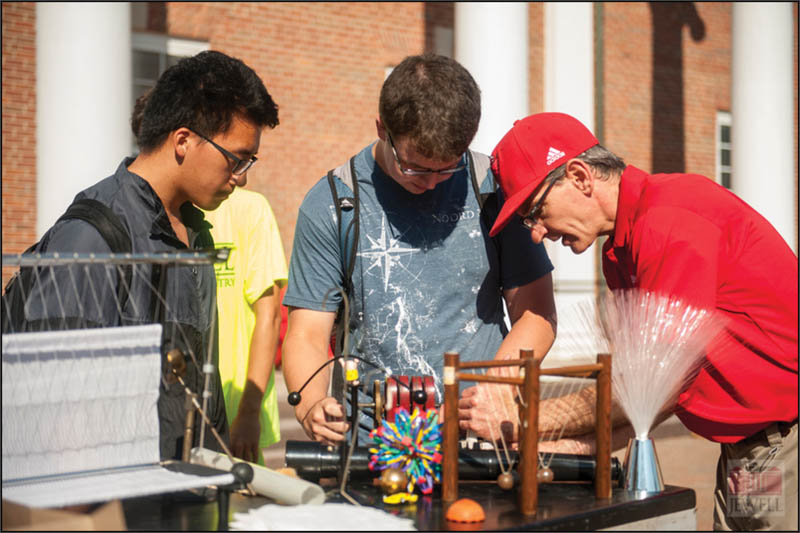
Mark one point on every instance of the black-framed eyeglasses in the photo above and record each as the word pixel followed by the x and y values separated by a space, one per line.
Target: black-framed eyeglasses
pixel 421 171
pixel 240 166
pixel 532 218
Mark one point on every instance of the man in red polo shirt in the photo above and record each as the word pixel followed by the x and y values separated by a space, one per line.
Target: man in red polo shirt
pixel 688 237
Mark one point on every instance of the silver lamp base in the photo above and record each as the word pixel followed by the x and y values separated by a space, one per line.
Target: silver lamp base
pixel 641 469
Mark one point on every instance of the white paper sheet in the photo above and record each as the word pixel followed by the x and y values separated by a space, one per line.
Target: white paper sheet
pixel 325 517
pixel 80 400
pixel 105 486
pixel 80 421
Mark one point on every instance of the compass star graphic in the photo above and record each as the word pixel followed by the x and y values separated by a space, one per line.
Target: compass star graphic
pixel 384 253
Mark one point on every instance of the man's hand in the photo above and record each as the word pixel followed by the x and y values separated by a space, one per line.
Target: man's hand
pixel 245 432
pixel 325 422
pixel 488 410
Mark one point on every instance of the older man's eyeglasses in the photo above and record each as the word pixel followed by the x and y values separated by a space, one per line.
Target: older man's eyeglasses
pixel 421 171
pixel 240 166
pixel 532 218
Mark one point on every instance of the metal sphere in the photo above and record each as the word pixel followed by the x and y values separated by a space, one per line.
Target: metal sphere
pixel 243 472
pixel 393 480
pixel 505 481
pixel 545 475
pixel 419 397
pixel 294 398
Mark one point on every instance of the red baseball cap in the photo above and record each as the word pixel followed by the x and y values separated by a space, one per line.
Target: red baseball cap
pixel 532 148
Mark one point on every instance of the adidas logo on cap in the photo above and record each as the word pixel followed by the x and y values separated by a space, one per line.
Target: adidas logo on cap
pixel 553 155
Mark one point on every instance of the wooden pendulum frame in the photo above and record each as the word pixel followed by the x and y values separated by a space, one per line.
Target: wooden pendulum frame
pixel 529 420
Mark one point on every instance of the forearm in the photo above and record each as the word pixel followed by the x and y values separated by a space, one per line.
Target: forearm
pixel 573 414
pixel 585 444
pixel 300 361
pixel 529 332
pixel 532 311
pixel 263 346
pixel 303 353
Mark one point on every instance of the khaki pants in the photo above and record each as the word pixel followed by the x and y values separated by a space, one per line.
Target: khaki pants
pixel 757 482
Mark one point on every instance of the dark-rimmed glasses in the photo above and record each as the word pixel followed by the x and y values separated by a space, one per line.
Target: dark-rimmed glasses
pixel 240 166
pixel 421 171
pixel 532 218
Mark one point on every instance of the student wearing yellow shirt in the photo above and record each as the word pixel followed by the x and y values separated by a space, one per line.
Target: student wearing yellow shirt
pixel 248 298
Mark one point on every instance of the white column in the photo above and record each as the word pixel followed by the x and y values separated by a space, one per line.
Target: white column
pixel 762 92
pixel 83 99
pixel 569 88
pixel 491 42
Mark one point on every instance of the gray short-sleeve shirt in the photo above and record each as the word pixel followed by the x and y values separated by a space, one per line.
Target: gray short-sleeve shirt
pixel 427 278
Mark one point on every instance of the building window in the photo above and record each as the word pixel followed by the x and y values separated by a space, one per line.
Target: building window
pixel 443 41
pixel 153 54
pixel 724 149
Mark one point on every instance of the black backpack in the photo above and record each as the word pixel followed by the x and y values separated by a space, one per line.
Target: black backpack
pixel 19 286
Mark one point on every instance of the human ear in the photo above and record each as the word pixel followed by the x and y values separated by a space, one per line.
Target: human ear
pixel 580 175
pixel 380 128
pixel 180 141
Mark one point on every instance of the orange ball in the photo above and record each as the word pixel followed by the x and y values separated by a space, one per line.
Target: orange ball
pixel 465 510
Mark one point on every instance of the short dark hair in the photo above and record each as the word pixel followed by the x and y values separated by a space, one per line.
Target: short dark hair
pixel 434 102
pixel 138 112
pixel 203 93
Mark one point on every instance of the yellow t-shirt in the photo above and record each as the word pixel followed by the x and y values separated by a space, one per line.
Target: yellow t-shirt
pixel 245 223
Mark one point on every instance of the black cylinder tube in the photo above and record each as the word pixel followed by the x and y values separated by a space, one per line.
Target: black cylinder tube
pixel 313 461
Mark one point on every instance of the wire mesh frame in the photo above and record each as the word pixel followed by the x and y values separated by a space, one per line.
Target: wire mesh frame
pixel 42 266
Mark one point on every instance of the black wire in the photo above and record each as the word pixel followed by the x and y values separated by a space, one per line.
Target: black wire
pixel 329 361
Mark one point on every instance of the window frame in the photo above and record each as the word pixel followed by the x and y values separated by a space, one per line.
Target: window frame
pixel 723 119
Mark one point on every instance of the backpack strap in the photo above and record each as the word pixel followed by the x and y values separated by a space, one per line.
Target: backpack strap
pixel 347 211
pixel 478 167
pixel 110 227
pixel 347 215
pixel 108 224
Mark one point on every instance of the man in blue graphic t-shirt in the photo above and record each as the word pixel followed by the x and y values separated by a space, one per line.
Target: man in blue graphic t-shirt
pixel 427 276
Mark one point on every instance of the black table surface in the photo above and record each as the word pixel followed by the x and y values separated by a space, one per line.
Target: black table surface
pixel 561 507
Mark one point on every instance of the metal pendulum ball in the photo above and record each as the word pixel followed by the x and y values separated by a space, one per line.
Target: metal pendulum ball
pixel 544 475
pixel 505 481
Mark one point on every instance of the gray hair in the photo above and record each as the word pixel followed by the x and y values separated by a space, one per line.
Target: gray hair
pixel 607 164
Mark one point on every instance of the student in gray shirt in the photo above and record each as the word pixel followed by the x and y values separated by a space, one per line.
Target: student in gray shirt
pixel 427 277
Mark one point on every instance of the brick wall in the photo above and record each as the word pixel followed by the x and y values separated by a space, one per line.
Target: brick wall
pixel 19 127
pixel 323 63
pixel 535 57
pixel 661 100
pixel 707 84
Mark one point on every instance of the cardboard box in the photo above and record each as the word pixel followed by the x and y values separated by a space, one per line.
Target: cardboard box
pixel 105 517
